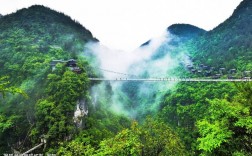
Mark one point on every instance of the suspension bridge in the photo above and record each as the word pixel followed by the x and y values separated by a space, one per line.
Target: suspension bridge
pixel 171 79
pixel 219 77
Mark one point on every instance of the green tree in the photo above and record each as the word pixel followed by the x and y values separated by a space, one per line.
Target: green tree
pixel 5 88
pixel 226 128
pixel 126 142
pixel 159 139
pixel 78 148
pixel 152 138
pixel 54 113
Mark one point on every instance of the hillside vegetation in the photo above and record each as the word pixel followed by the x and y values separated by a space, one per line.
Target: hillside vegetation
pixel 198 118
pixel 215 118
pixel 29 40
pixel 229 44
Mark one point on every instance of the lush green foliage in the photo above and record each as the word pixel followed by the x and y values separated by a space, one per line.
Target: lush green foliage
pixel 230 41
pixel 215 118
pixel 4 88
pixel 54 112
pixel 29 40
pixel 152 138
pixel 193 118
pixel 211 118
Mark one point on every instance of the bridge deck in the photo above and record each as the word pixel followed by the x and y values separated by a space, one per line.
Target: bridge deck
pixel 171 79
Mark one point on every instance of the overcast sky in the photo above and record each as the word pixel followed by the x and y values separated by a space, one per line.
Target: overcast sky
pixel 126 24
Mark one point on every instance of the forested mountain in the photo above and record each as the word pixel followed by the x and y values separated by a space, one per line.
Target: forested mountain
pixel 183 31
pixel 38 30
pixel 29 40
pixel 45 106
pixel 230 41
pixel 215 118
pixel 199 118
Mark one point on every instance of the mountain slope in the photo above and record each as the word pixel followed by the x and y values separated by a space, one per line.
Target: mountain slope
pixel 229 44
pixel 182 31
pixel 38 30
pixel 29 40
pixel 208 115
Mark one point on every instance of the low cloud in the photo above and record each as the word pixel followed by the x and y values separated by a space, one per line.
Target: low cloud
pixel 157 59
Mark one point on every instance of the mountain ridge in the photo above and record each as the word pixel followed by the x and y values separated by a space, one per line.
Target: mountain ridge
pixel 29 40
pixel 39 29
pixel 185 30
pixel 34 12
pixel 229 41
pixel 181 30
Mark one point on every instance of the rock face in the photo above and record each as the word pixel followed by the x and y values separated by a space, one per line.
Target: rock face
pixel 80 112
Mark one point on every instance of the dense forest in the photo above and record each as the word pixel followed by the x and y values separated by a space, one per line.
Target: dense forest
pixel 186 118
